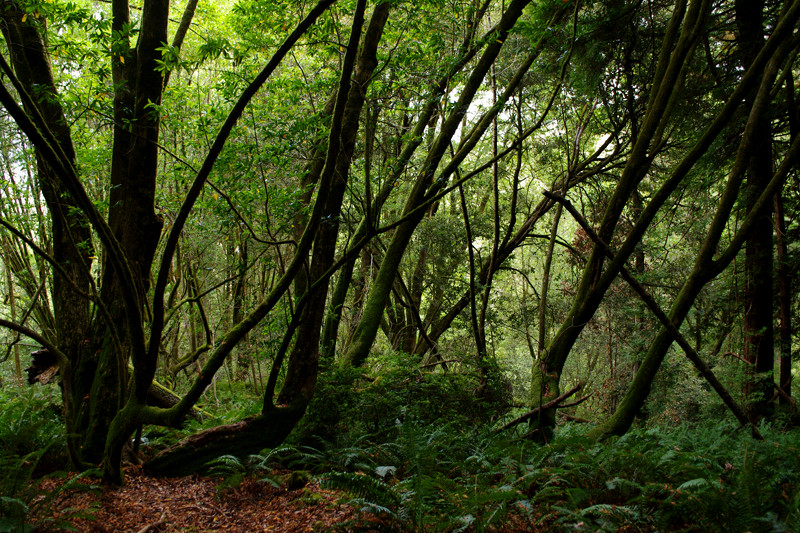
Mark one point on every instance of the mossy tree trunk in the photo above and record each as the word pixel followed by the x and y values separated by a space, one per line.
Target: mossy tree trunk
pixel 425 187
pixel 711 261
pixel 304 359
pixel 783 273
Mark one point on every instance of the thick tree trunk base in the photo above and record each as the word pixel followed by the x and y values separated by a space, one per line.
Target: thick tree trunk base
pixel 247 437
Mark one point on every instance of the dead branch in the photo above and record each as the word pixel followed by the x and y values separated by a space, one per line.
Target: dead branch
pixel 155 525
pixel 552 403
pixel 780 392
pixel 442 362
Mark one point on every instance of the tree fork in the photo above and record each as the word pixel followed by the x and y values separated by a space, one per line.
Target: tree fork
pixel 673 330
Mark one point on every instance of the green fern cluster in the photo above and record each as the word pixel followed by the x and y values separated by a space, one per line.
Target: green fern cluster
pixel 31 445
pixel 707 478
pixel 434 478
pixel 429 469
pixel 450 477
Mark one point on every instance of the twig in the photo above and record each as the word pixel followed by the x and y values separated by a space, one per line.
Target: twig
pixel 152 527
pixel 577 402
pixel 737 356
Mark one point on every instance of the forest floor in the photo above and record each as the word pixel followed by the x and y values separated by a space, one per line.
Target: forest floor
pixel 146 504
pixel 149 504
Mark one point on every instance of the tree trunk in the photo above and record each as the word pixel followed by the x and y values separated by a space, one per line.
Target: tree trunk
pixel 72 243
pixel 242 438
pixel 425 187
pixel 783 274
pixel 759 343
pixel 303 362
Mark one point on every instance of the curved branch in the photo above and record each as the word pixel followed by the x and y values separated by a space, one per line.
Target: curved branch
pixel 205 171
pixel 63 361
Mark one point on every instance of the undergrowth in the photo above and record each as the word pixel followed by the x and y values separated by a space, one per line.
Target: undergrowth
pixel 418 452
pixel 33 449
pixel 451 476
pixel 704 478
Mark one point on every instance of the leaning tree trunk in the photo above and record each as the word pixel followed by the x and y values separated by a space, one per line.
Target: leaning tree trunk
pixel 706 267
pixel 275 423
pixel 303 362
pixel 683 32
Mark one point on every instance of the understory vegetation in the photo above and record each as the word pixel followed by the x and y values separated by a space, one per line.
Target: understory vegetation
pixel 422 455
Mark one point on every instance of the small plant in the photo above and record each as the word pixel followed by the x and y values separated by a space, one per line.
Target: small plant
pixel 32 444
pixel 25 499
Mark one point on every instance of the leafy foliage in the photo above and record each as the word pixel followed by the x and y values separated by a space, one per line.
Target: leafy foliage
pixel 351 402
pixel 703 478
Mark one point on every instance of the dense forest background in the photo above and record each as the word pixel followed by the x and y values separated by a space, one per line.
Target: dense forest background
pixel 231 227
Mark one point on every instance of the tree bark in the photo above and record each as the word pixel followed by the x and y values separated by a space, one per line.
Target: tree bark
pixel 759 342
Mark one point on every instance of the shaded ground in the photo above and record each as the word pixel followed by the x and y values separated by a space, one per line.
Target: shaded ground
pixel 146 504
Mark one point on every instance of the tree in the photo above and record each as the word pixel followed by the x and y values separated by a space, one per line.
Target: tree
pixel 381 169
pixel 114 328
pixel 686 26
pixel 100 405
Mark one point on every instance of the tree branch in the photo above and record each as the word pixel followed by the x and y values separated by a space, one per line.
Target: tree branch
pixel 549 405
pixel 666 322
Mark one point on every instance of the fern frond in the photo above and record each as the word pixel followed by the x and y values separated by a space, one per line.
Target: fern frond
pixel 226 465
pixel 361 486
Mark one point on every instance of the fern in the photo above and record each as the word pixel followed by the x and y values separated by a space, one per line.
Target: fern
pixel 371 496
pixel 362 486
pixel 226 465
